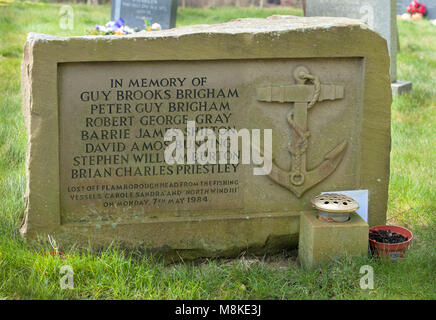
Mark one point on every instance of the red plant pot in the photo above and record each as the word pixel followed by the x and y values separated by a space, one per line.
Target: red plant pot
pixel 392 251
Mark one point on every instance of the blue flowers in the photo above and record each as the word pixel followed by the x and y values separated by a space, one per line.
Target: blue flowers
pixel 114 27
pixel 119 27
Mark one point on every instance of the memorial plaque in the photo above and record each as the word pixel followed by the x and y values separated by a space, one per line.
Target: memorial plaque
pixel 429 4
pixel 116 149
pixel 133 12
pixel 96 121
pixel 380 15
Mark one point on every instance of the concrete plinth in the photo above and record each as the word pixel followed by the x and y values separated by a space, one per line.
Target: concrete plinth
pixel 400 87
pixel 322 241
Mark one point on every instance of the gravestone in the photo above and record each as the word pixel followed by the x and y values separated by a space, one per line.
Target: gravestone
pixel 96 119
pixel 430 5
pixel 380 15
pixel 133 12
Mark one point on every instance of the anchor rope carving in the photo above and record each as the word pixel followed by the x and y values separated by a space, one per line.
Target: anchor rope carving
pixel 304 94
pixel 297 177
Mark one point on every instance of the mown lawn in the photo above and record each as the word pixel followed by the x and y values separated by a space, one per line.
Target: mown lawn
pixel 27 273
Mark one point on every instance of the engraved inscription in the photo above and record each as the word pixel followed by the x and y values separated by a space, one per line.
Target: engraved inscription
pixel 113 118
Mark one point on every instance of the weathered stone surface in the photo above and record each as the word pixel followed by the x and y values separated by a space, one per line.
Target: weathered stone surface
pixel 380 15
pixel 348 132
pixel 401 87
pixel 133 12
pixel 322 241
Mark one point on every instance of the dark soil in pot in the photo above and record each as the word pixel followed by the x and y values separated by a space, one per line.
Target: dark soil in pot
pixel 386 236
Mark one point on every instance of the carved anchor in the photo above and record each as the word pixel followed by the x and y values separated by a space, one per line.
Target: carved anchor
pixel 304 95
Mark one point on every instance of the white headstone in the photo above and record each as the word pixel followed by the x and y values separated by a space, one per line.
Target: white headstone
pixel 380 15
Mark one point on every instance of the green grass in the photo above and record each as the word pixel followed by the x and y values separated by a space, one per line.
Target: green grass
pixel 26 272
pixel 190 16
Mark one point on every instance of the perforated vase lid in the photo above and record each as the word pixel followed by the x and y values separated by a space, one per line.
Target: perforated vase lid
pixel 334 202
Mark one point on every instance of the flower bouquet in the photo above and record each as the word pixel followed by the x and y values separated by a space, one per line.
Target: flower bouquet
pixel 415 11
pixel 416 8
pixel 151 27
pixel 119 27
pixel 113 27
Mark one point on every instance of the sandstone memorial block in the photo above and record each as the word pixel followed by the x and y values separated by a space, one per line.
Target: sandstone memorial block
pixel 133 12
pixel 97 108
